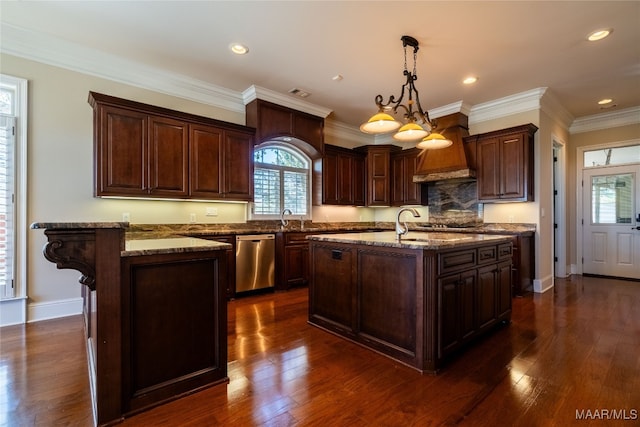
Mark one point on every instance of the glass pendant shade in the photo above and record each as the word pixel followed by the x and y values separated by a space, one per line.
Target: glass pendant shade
pixel 410 132
pixel 434 141
pixel 380 123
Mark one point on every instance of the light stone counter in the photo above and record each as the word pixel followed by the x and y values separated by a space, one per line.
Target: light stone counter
pixel 412 240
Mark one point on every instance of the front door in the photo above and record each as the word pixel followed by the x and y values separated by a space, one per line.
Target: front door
pixel 611 229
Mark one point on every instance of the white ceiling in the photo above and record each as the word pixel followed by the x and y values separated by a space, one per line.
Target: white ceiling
pixel 512 47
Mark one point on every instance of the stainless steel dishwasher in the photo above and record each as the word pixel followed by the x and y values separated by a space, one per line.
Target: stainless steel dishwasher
pixel 255 262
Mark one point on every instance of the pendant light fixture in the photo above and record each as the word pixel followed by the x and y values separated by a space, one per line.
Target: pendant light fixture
pixel 418 125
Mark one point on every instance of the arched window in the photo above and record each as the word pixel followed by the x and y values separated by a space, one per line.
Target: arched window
pixel 281 180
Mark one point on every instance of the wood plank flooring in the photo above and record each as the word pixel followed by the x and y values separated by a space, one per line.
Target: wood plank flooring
pixel 576 348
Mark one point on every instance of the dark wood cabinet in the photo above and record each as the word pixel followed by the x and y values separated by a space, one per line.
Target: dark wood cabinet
pixel 230 283
pixel 237 165
pixel 146 151
pixel 274 121
pixel 292 260
pixel 120 164
pixel 378 173
pixel 505 164
pixel 174 342
pixel 403 190
pixel 457 295
pixel 168 157
pixel 415 306
pixel 343 177
pixel 332 302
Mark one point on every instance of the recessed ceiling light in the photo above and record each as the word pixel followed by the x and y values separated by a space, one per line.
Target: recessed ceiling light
pixel 605 101
pixel 599 34
pixel 238 48
pixel 470 80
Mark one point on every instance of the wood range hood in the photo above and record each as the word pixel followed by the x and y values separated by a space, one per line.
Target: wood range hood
pixel 458 161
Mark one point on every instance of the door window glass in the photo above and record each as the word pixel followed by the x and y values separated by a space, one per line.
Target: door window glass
pixel 612 199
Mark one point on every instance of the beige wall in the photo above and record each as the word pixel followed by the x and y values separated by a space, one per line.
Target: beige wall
pixel 60 171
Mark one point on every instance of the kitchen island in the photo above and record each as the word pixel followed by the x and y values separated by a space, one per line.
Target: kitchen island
pixel 155 313
pixel 417 300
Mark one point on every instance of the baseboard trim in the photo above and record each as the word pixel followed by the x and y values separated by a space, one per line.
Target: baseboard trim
pixel 543 285
pixel 54 309
pixel 13 312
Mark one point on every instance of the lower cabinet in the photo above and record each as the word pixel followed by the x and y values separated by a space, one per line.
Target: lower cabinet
pixel 456 298
pixel 174 335
pixel 415 306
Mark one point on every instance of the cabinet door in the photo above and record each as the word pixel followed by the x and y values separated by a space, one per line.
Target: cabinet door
pixel 238 166
pixel 168 157
pixel 296 265
pixel 397 180
pixel 467 304
pixel 512 168
pixel 503 288
pixel 488 156
pixel 332 298
pixel 330 178
pixel 378 178
pixel 449 319
pixel 206 161
pixel 121 152
pixel 359 181
pixel 457 308
pixel 486 300
pixel 345 180
pixel 412 191
pixel 403 190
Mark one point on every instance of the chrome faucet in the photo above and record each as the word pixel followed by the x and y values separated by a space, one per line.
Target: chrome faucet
pixel 283 221
pixel 402 228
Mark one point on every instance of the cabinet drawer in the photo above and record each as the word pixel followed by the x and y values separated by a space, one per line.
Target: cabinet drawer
pixel 453 261
pixel 505 250
pixel 292 238
pixel 487 254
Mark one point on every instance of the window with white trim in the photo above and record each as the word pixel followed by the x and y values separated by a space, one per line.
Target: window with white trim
pixel 7 185
pixel 281 180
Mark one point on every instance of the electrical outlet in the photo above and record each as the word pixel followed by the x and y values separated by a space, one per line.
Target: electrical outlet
pixel 126 217
pixel 192 217
pixel 511 219
pixel 211 212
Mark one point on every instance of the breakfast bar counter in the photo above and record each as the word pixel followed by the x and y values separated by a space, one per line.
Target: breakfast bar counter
pixel 155 313
pixel 418 299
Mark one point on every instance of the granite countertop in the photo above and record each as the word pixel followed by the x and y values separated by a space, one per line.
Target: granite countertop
pixel 146 231
pixel 77 225
pixel 411 240
pixel 137 247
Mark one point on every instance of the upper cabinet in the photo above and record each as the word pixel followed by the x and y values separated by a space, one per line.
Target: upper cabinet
pixel 403 190
pixel 378 173
pixel 146 151
pixel 505 164
pixel 343 177
pixel 275 121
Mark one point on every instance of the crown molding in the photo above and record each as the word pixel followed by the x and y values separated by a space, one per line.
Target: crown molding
pixel 454 107
pixel 49 50
pixel 256 92
pixel 343 131
pixel 628 116
pixel 550 105
pixel 509 105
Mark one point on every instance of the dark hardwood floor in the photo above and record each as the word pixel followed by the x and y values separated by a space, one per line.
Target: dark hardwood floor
pixel 576 348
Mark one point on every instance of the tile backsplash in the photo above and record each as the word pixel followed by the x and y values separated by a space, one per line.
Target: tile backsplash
pixel 454 202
